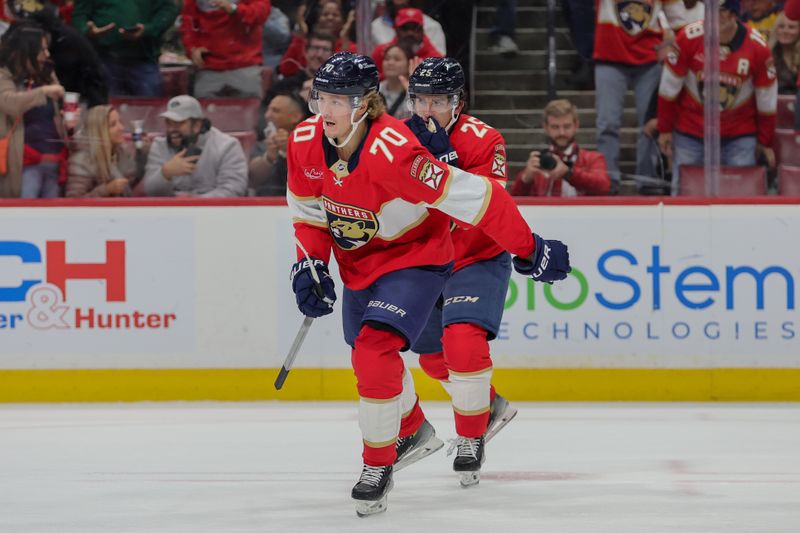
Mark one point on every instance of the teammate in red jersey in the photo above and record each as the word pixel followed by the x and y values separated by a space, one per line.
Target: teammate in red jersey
pixel 748 96
pixel 361 184
pixel 454 347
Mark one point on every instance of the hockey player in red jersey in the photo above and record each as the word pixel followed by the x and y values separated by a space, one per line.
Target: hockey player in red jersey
pixel 360 184
pixel 748 96
pixel 454 346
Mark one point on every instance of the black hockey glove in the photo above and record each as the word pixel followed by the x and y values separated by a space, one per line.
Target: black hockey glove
pixel 549 263
pixel 437 142
pixel 313 300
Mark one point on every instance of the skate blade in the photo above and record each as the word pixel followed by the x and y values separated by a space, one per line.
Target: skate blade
pixel 508 415
pixel 470 479
pixel 366 508
pixel 434 444
pixel 370 507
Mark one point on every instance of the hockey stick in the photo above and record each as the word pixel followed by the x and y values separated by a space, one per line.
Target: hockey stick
pixel 304 327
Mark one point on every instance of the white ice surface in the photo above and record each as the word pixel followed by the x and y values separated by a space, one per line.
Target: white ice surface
pixel 289 467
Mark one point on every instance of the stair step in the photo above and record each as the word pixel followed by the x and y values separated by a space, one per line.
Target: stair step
pixel 520 80
pixel 528 99
pixel 532 118
pixel 585 136
pixel 526 17
pixel 528 39
pixel 525 60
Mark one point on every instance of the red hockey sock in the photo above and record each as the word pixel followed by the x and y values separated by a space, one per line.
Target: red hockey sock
pixel 412 420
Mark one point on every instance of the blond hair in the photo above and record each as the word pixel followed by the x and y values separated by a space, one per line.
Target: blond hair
pixel 773 41
pixel 560 108
pixel 375 105
pixel 101 151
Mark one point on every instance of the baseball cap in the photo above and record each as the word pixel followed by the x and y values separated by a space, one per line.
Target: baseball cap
pixel 182 108
pixel 407 15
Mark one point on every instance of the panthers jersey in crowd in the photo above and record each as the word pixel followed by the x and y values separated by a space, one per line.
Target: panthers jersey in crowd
pixel 374 210
pixel 748 86
pixel 627 31
pixel 481 150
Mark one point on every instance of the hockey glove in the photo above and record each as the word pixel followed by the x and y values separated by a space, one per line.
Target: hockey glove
pixel 437 142
pixel 313 300
pixel 549 262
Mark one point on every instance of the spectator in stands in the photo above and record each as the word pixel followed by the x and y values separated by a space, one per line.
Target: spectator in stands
pixel 748 98
pixel 101 166
pixel 127 34
pixel 33 125
pixel 573 171
pixel 194 159
pixel 581 18
pixel 761 15
pixel 319 48
pixel 77 65
pixel 330 21
pixel 784 41
pixel 277 34
pixel 625 42
pixel 224 38
pixel 502 34
pixel 268 167
pixel 409 30
pixel 383 28
pixel 394 87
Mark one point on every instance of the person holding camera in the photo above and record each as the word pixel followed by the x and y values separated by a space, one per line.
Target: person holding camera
pixel 563 168
pixel 194 158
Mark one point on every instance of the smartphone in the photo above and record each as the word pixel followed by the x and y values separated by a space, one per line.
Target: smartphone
pixel 193 150
pixel 131 29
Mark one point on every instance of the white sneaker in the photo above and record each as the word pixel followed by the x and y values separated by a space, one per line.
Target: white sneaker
pixel 505 45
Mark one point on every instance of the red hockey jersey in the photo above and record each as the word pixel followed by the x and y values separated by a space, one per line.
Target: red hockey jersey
pixel 627 31
pixel 481 150
pixel 374 210
pixel 748 86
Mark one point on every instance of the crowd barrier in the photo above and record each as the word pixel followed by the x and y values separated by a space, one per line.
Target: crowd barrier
pixel 139 299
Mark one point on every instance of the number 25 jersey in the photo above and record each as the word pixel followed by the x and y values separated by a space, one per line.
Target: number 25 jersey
pixel 387 207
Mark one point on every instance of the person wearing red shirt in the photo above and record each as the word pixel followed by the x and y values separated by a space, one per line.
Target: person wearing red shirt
pixel 362 186
pixel 748 96
pixel 571 171
pixel 224 39
pixel 408 25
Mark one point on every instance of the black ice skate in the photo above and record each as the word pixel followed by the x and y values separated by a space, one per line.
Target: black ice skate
pixel 469 458
pixel 417 446
pixel 372 489
pixel 500 413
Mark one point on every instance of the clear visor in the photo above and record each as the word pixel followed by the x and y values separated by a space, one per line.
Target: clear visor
pixel 437 103
pixel 337 105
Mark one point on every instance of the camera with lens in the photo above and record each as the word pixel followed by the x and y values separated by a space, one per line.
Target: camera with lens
pixel 547 161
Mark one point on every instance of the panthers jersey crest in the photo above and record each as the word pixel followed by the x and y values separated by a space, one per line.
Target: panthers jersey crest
pixel 351 227
pixel 634 15
pixel 729 88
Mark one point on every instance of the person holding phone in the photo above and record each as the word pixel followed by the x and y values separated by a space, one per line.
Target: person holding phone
pixel 194 158
pixel 128 35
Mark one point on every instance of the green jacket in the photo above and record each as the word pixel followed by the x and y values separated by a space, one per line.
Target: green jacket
pixel 156 16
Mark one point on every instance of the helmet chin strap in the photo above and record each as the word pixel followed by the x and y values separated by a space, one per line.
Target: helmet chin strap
pixel 353 127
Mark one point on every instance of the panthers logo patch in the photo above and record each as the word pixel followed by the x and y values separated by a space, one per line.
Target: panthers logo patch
pixel 427 172
pixel 499 161
pixel 634 16
pixel 351 227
